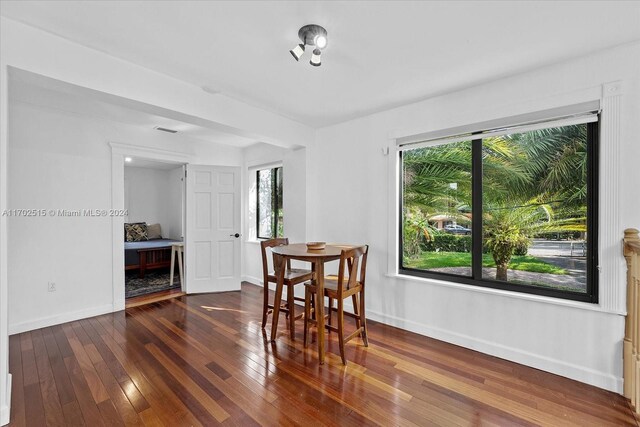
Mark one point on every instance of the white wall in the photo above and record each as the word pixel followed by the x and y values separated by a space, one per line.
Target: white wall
pixel 59 160
pixel 580 341
pixel 175 193
pixel 151 197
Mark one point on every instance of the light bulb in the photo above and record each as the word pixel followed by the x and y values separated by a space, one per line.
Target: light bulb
pixel 320 41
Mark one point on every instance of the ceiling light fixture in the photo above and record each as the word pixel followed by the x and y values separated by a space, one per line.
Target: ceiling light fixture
pixel 316 61
pixel 297 51
pixel 128 159
pixel 311 35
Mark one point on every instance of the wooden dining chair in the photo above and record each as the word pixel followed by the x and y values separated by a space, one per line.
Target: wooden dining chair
pixel 345 285
pixel 292 277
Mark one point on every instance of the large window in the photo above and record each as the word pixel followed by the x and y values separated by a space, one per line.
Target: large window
pixel 512 209
pixel 269 203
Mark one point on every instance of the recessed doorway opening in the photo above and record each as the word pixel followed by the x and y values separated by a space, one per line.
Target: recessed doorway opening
pixel 154 227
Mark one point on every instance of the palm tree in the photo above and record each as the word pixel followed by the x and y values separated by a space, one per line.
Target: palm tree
pixel 524 176
pixel 550 165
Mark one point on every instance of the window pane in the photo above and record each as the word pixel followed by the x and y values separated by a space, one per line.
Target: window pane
pixel 265 203
pixel 270 215
pixel 436 209
pixel 535 208
pixel 280 213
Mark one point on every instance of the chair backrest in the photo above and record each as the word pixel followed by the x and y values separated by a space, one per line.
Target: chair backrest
pixel 264 246
pixel 350 260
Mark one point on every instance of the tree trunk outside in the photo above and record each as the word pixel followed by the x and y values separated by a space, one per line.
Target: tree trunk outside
pixel 501 272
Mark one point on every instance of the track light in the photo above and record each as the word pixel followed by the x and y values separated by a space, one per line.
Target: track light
pixel 311 35
pixel 297 51
pixel 320 41
pixel 315 58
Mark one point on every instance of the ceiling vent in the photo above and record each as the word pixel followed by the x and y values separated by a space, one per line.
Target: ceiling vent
pixel 165 129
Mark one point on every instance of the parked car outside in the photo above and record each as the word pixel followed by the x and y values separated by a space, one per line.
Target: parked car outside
pixel 457 229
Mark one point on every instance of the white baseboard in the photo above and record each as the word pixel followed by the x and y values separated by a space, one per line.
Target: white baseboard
pixel 555 366
pixel 57 319
pixel 253 280
pixel 5 409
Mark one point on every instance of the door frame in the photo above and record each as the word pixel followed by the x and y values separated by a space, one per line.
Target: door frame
pixel 118 153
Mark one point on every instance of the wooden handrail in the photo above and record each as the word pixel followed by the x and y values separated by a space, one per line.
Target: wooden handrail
pixel 631 250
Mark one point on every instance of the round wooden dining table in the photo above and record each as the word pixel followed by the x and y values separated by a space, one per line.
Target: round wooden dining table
pixel 317 258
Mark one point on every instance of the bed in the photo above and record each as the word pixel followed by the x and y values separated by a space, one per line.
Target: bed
pixel 147 255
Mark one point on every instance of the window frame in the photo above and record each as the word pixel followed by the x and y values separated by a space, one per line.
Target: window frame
pixel 276 172
pixel 476 279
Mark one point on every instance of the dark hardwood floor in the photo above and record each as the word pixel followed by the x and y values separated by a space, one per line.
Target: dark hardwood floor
pixel 204 360
pixel 153 297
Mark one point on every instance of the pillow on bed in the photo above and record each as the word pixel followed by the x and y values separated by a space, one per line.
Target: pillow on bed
pixel 154 231
pixel 135 232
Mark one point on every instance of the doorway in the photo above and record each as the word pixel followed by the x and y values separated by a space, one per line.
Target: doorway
pixel 211 221
pixel 153 229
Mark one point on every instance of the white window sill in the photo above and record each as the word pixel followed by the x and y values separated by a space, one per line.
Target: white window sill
pixel 252 241
pixel 509 294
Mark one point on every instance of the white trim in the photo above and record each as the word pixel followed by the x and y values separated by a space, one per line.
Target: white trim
pixel 157 154
pixel 393 194
pixel 612 265
pixel 529 118
pixel 556 366
pixel 57 319
pixel 117 225
pixel 253 280
pixel 547 124
pixel 509 294
pixel 5 409
pixel 263 166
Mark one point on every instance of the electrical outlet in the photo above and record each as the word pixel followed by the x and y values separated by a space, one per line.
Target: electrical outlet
pixel 51 286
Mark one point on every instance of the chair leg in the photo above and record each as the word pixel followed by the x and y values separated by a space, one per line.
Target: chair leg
pixel 276 312
pixel 363 320
pixel 307 314
pixel 330 312
pixel 354 300
pixel 292 312
pixel 265 304
pixel 341 329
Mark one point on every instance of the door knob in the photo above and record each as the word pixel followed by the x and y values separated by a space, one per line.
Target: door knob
pixel 235 235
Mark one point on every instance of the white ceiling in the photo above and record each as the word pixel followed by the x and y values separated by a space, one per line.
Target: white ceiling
pixel 380 54
pixel 38 90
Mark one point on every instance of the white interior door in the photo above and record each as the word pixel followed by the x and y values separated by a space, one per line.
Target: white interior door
pixel 212 246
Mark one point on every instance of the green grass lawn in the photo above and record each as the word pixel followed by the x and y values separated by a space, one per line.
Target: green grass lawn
pixel 428 260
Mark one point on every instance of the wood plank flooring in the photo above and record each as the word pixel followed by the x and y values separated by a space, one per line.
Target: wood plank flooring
pixel 204 360
pixel 153 297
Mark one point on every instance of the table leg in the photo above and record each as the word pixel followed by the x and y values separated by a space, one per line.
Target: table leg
pixel 319 269
pixel 278 298
pixel 180 252
pixel 173 264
